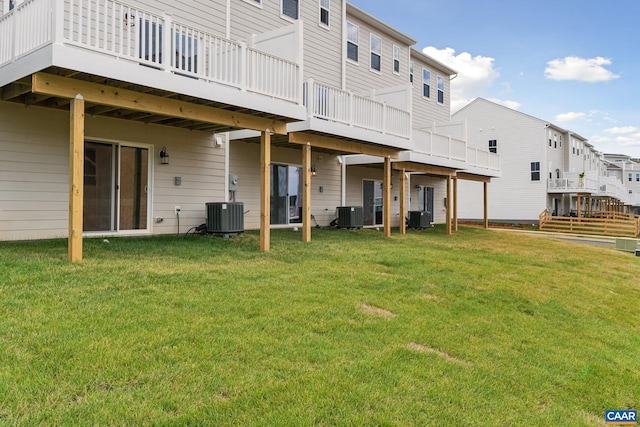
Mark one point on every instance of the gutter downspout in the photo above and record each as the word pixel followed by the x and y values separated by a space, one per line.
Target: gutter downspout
pixel 228 21
pixel 344 46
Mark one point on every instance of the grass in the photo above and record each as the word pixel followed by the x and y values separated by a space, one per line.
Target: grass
pixel 479 328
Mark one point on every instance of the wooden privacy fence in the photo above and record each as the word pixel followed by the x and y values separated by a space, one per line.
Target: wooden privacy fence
pixel 597 223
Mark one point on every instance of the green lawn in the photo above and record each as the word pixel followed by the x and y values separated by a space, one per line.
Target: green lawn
pixel 479 328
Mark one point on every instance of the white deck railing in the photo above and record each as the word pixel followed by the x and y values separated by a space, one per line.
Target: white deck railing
pixel 340 106
pixel 434 144
pixel 573 182
pixel 149 38
pixel 483 159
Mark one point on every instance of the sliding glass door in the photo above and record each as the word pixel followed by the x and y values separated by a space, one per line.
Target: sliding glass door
pixel 286 194
pixel 116 184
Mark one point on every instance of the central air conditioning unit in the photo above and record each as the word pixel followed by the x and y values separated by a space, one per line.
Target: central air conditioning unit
pixel 419 219
pixel 225 218
pixel 350 217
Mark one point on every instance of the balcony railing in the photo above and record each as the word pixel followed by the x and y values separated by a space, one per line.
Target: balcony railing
pixel 340 106
pixel 434 144
pixel 483 159
pixel 573 183
pixel 149 38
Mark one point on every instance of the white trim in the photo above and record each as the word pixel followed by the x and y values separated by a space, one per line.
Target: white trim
pixel 428 83
pixel 256 3
pixel 328 9
pixel 395 48
pixel 287 17
pixel 372 52
pixel 355 43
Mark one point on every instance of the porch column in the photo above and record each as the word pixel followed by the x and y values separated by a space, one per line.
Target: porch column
pixel 448 205
pixel 486 205
pixel 403 201
pixel 76 178
pixel 386 196
pixel 306 192
pixel 455 204
pixel 265 191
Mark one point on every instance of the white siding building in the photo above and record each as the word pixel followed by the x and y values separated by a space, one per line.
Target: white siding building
pixel 544 167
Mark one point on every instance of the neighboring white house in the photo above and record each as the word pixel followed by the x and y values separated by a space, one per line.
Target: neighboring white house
pixel 627 169
pixel 147 110
pixel 544 167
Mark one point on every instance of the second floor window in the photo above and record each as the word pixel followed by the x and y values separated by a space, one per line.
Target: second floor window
pixel 630 177
pixel 411 72
pixel 426 83
pixel 324 12
pixel 638 177
pixel 440 90
pixel 290 8
pixel 396 59
pixel 535 171
pixel 352 41
pixel 493 145
pixel 376 52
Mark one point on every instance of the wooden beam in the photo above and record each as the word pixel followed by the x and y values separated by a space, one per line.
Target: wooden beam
pixel 427 169
pixel 265 191
pixel 403 202
pixel 49 84
pixel 455 204
pixel 341 145
pixel 76 178
pixel 16 89
pixel 486 204
pixel 448 206
pixel 472 177
pixel 306 193
pixel 386 197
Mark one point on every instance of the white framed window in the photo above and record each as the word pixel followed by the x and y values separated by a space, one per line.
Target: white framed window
pixel 493 145
pixel 426 83
pixel 638 177
pixel 376 52
pixel 9 5
pixel 353 34
pixel 535 171
pixel 411 72
pixel 396 59
pixel 324 12
pixel 257 3
pixel 290 8
pixel 630 177
pixel 440 81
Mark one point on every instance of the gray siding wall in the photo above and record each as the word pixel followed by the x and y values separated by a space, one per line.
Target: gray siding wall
pixel 427 110
pixel 205 14
pixel 521 140
pixel 34 170
pixel 244 162
pixel 360 77
pixel 322 45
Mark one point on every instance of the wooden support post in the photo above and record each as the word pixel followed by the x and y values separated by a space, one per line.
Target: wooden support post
pixel 448 205
pixel 265 191
pixel 403 201
pixel 486 205
pixel 76 178
pixel 455 204
pixel 386 196
pixel 306 193
pixel 579 206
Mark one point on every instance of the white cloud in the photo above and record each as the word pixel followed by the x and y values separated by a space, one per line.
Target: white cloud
pixel 581 69
pixel 569 117
pixel 476 74
pixel 622 130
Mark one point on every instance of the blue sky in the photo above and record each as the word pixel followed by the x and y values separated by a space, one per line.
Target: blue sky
pixel 574 63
